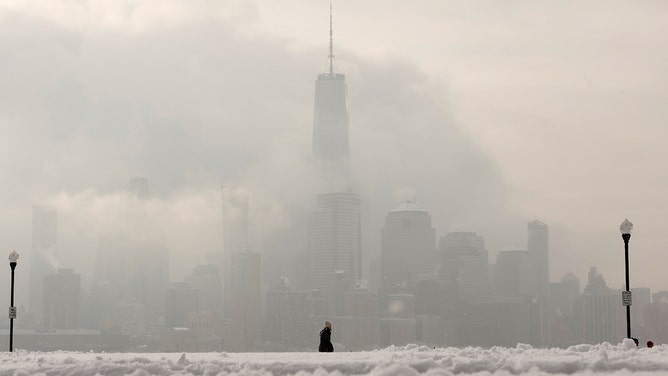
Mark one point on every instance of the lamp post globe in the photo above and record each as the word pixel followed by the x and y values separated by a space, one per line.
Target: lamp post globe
pixel 625 228
pixel 13 260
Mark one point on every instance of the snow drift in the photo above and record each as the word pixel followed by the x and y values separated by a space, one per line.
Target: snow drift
pixel 621 359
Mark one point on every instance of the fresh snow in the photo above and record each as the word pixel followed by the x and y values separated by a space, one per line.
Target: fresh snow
pixel 621 359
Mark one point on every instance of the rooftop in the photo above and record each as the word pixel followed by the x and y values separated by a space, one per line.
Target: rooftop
pixel 407 206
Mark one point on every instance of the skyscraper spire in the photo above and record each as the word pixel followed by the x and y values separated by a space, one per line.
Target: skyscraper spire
pixel 331 42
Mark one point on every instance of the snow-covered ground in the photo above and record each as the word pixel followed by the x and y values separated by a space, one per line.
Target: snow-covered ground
pixel 622 359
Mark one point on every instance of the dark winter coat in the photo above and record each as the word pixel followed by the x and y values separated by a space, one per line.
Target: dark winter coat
pixel 325 340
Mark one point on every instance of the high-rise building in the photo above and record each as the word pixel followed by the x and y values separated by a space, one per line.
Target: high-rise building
pixel 217 259
pixel 538 247
pixel 288 319
pixel 358 320
pixel 62 293
pixel 149 273
pixel 180 300
pixel 598 311
pixel 408 245
pixel 140 268
pixel 599 318
pixel 513 274
pixel 44 246
pixel 564 293
pixel 561 310
pixel 399 327
pixel 132 264
pixel 235 205
pixel 640 302
pixel 464 261
pixel 207 280
pixel 235 218
pixel 596 283
pixel 335 239
pixel 334 243
pixel 208 328
pixel 655 317
pixel 245 298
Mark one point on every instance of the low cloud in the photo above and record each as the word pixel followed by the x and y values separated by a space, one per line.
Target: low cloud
pixel 193 105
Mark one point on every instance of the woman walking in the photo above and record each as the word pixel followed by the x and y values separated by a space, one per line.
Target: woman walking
pixel 325 338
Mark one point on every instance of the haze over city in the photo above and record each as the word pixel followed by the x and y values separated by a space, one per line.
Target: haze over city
pixel 487 115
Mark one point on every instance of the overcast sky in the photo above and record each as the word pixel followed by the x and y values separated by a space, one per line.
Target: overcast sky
pixel 488 113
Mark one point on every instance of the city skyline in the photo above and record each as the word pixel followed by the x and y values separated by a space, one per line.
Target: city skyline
pixel 130 130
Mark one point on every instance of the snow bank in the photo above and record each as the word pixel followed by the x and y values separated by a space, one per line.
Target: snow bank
pixel 622 359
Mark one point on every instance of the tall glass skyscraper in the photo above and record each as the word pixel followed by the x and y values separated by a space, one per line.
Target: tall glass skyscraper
pixel 334 231
pixel 464 261
pixel 537 245
pixel 236 203
pixel 334 240
pixel 408 246
pixel 44 243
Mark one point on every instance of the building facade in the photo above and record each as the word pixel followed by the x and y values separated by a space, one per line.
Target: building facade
pixel 408 245
pixel 180 300
pixel 464 261
pixel 513 274
pixel 538 247
pixel 62 295
pixel 335 240
pixel 44 250
pixel 245 298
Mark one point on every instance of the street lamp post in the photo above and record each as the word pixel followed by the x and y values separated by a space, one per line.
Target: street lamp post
pixel 625 228
pixel 13 258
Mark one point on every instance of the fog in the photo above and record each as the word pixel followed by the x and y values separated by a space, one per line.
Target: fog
pixel 485 115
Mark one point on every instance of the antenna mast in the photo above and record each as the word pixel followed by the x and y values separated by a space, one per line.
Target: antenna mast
pixel 331 42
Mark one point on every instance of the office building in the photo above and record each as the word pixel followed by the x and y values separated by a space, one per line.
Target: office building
pixel 408 246
pixel 335 239
pixel 464 262
pixel 44 250
pixel 245 298
pixel 235 206
pixel 334 244
pixel 538 247
pixel 288 319
pixel 513 274
pixel 599 312
pixel 207 281
pixel 564 293
pixel 132 263
pixel 62 293
pixel 180 300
